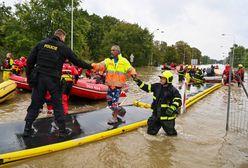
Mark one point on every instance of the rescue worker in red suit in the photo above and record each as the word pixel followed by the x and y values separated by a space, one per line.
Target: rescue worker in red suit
pixel 88 74
pixel 80 70
pixel 17 67
pixel 166 102
pixel 24 61
pixel 68 78
pixel 241 73
pixel 225 74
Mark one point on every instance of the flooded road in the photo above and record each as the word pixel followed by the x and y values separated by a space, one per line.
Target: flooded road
pixel 201 142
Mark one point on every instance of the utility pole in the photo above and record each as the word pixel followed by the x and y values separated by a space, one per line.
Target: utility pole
pixel 72 8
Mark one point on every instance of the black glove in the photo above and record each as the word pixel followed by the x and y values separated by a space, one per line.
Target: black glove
pixel 169 112
pixel 135 77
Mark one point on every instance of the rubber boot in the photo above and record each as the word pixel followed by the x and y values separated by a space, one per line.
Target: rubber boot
pixel 121 115
pixel 121 112
pixel 28 130
pixel 63 131
pixel 114 119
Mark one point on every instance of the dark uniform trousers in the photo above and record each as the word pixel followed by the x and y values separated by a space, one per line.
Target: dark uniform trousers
pixel 53 85
pixel 154 124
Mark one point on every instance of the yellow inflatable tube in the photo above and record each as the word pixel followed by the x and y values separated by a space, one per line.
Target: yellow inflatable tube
pixel 201 95
pixel 189 101
pixel 14 156
pixel 7 89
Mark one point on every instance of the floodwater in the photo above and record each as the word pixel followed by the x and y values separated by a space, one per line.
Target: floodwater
pixel 201 142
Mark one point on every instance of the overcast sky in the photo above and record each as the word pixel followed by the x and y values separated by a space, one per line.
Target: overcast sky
pixel 200 23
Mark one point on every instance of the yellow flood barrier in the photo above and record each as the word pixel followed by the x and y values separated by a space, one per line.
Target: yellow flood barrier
pixel 189 101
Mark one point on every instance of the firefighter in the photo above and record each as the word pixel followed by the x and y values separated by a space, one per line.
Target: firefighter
pixel 166 102
pixel 198 77
pixel 7 66
pixel 181 73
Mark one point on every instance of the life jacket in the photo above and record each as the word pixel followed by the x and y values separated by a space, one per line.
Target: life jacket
pixel 7 64
pixel 68 72
pixel 17 65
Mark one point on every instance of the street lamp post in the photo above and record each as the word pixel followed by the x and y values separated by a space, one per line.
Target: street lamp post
pixel 72 8
pixel 183 55
pixel 151 62
pixel 227 59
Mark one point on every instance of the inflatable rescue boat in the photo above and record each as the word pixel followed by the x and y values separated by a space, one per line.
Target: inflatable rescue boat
pixel 85 88
pixel 7 90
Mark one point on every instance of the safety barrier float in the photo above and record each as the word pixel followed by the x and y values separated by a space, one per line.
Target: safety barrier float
pixel 7 89
pixel 28 153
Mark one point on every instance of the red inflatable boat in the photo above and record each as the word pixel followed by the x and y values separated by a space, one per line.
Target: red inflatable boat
pixel 85 88
pixel 20 81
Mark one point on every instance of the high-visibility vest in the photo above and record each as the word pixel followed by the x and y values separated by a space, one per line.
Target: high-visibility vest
pixel 116 73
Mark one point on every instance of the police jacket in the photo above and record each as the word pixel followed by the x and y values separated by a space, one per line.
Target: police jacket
pixel 164 97
pixel 49 55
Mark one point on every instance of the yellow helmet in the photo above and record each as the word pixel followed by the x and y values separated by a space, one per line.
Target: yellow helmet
pixel 240 65
pixel 168 76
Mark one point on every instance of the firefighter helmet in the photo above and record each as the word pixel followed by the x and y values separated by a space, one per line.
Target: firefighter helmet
pixel 168 76
pixel 240 65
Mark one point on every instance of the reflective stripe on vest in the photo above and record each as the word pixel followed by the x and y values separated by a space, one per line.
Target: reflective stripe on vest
pixel 66 74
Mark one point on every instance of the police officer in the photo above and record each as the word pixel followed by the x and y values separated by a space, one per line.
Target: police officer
pixel 166 101
pixel 47 57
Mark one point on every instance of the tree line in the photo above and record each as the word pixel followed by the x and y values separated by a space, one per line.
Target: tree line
pixel 32 21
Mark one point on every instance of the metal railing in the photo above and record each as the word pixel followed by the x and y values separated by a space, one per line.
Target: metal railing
pixel 237 107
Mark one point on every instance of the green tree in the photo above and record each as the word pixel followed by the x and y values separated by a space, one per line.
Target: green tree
pixel 132 39
pixel 5 18
pixel 158 52
pixel 40 18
